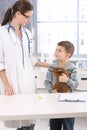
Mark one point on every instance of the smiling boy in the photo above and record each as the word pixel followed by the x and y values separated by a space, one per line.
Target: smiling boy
pixel 63 52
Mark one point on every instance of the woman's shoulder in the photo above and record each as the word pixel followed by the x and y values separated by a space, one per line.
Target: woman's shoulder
pixel 26 29
pixel 4 27
pixel 2 30
pixel 1 27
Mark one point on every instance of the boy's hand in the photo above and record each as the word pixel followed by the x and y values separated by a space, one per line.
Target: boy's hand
pixel 63 78
pixel 54 91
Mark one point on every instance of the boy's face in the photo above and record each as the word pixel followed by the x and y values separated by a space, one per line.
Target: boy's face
pixel 61 54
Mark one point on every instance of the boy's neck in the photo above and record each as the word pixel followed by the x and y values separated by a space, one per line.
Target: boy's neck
pixel 62 63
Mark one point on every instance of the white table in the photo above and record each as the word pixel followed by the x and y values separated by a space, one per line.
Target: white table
pixel 39 106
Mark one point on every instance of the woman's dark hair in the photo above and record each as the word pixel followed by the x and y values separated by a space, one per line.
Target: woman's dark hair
pixel 69 47
pixel 21 5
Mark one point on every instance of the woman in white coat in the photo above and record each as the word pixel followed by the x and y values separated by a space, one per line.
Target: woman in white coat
pixel 16 63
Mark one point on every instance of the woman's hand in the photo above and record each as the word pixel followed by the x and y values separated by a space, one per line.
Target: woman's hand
pixel 8 90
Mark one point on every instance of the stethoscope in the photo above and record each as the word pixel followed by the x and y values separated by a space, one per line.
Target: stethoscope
pixel 29 41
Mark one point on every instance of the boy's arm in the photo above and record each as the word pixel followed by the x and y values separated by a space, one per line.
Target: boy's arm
pixel 73 81
pixel 49 80
pixel 48 85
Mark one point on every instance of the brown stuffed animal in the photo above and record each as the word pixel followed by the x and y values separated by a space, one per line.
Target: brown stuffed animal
pixel 60 86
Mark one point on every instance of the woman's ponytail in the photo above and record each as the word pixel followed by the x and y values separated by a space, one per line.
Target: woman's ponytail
pixel 7 16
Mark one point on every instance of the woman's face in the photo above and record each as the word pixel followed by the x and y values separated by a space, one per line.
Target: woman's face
pixel 23 18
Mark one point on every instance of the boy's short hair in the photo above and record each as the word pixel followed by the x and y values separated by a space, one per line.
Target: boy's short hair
pixel 69 47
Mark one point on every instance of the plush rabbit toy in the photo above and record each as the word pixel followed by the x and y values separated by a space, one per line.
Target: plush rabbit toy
pixel 60 86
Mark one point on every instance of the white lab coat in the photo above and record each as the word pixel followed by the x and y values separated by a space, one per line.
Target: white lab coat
pixel 20 78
